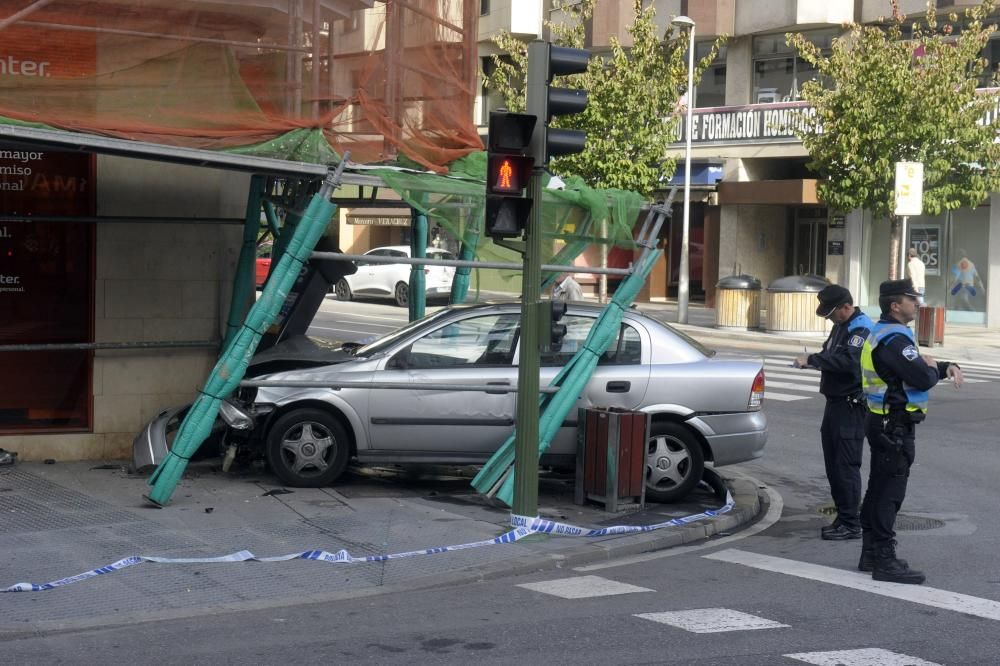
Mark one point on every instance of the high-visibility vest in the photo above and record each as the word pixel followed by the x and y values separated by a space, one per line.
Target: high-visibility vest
pixel 874 386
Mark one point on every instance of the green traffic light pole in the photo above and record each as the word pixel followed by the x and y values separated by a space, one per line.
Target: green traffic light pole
pixel 526 440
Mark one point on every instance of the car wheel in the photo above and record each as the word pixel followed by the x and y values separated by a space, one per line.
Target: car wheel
pixel 402 294
pixel 674 462
pixel 342 290
pixel 307 448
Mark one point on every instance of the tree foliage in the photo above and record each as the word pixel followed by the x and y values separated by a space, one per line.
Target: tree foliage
pixel 888 93
pixel 633 111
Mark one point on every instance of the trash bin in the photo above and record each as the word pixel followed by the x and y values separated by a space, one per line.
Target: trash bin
pixel 738 303
pixel 611 458
pixel 930 325
pixel 791 305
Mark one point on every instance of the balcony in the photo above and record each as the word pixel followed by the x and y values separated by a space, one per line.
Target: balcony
pixel 759 16
pixel 525 23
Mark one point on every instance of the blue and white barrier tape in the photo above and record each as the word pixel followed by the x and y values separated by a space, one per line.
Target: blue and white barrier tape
pixel 523 526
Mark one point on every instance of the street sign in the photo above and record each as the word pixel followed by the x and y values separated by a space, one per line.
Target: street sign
pixel 909 188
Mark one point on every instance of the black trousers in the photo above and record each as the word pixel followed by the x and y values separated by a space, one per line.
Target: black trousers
pixel 843 435
pixel 892 457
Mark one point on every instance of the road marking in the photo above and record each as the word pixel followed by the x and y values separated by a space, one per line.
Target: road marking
pixel 775 505
pixel 783 397
pixel 811 377
pixel 865 657
pixel 583 587
pixel 928 596
pixel 789 385
pixel 712 620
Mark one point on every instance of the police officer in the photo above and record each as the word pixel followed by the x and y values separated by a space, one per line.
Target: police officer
pixel 896 379
pixel 843 429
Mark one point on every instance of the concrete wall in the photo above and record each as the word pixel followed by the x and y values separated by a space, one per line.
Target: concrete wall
pixel 754 240
pixel 154 282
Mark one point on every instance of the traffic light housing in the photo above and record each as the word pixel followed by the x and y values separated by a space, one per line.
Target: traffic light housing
pixel 545 62
pixel 508 170
pixel 550 331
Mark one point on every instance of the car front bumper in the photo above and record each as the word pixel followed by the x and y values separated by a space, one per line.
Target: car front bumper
pixel 733 438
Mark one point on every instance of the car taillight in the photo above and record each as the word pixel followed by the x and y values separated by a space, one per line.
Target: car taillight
pixel 757 391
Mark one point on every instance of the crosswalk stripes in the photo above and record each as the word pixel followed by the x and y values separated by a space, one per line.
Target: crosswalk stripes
pixel 718 620
pixel 785 383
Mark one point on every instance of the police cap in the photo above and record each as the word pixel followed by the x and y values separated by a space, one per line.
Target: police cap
pixel 830 298
pixel 898 288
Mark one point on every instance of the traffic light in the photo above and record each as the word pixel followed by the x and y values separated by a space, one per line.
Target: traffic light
pixel 508 170
pixel 544 62
pixel 550 331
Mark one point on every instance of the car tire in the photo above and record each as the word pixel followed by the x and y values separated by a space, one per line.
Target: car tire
pixel 674 462
pixel 307 448
pixel 402 294
pixel 342 290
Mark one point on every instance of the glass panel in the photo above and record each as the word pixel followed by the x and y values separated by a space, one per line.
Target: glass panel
pixel 46 292
pixel 968 265
pixel 479 341
pixel 626 351
pixel 773 79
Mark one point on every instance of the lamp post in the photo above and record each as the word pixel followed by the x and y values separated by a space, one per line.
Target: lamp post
pixel 682 277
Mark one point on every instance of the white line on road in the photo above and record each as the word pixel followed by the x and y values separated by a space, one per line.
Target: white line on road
pixel 789 385
pixel 928 596
pixel 583 587
pixel 812 377
pixel 775 506
pixel 783 397
pixel 862 657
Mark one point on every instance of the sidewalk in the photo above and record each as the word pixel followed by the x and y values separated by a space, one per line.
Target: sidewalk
pixel 961 342
pixel 60 520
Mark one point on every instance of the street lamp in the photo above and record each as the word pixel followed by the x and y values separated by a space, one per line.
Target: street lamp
pixel 682 277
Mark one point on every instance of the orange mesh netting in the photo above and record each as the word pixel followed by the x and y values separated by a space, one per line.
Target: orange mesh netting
pixel 377 78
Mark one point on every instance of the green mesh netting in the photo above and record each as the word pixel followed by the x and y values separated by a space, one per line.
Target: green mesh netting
pixel 576 220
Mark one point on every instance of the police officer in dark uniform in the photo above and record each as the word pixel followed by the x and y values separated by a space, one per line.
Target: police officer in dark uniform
pixel 843 429
pixel 896 379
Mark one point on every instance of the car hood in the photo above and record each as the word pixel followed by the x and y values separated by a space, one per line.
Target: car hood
pixel 297 352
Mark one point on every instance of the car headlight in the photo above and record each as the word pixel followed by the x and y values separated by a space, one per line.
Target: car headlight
pixel 234 416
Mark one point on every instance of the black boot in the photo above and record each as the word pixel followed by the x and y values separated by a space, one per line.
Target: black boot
pixel 892 570
pixel 867 561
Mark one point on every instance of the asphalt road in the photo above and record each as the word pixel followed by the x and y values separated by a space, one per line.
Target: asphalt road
pixel 772 594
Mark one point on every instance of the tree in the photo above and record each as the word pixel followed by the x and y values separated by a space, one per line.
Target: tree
pixel 883 98
pixel 633 111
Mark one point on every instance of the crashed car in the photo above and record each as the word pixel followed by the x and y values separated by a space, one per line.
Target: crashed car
pixel 704 409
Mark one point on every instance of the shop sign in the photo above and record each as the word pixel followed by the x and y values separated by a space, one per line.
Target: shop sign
pixel 835 248
pixel 926 240
pixel 379 220
pixel 755 123
pixel 909 188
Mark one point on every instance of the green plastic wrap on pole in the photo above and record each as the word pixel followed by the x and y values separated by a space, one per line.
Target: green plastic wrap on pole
pixel 231 366
pixel 473 232
pixel 272 219
pixel 243 283
pixel 571 382
pixel 417 301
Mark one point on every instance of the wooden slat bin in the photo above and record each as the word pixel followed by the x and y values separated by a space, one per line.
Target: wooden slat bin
pixel 611 458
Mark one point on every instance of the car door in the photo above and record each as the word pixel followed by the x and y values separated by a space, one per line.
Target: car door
pixel 385 276
pixel 361 282
pixel 450 425
pixel 620 379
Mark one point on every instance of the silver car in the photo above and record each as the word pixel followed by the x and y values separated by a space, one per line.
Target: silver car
pixel 704 408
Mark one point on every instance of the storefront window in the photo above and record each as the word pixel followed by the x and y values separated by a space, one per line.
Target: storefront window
pixel 711 90
pixel 46 290
pixel 966 270
pixel 778 73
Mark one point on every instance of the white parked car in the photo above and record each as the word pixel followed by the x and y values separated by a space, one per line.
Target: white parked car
pixel 392 280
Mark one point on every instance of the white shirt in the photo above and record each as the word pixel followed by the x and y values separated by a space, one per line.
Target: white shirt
pixel 915 268
pixel 568 290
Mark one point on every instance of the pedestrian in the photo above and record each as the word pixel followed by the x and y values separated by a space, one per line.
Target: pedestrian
pixel 842 430
pixel 896 380
pixel 568 290
pixel 915 269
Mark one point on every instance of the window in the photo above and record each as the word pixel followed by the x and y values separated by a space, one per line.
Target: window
pixel 484 7
pixel 778 73
pixel 711 89
pixel 627 349
pixel 473 342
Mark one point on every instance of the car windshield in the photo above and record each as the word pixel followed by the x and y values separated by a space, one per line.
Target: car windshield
pixel 389 339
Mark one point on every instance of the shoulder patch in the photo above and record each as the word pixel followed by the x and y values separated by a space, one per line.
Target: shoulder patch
pixel 910 353
pixel 856 341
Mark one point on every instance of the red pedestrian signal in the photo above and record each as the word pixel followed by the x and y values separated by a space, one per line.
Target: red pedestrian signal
pixel 508 174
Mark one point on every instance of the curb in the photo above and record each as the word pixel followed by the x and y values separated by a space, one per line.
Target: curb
pixel 747 506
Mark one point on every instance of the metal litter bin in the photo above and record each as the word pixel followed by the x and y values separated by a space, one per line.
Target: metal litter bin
pixel 930 325
pixel 738 303
pixel 791 305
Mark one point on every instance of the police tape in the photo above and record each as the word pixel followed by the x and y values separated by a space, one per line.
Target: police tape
pixel 523 526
